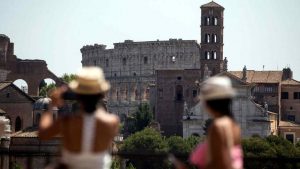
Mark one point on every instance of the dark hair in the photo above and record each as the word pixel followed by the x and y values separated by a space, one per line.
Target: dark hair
pixel 222 106
pixel 89 102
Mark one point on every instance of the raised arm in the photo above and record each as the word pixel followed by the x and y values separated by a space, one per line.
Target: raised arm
pixel 48 127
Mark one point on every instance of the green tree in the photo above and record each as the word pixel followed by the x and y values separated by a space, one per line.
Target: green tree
pixel 178 145
pixel 143 116
pixel 193 141
pixel 139 120
pixel 257 147
pixel 67 78
pixel 130 166
pixel 145 142
pixel 115 164
pixel 42 84
pixel 283 147
pixel 46 89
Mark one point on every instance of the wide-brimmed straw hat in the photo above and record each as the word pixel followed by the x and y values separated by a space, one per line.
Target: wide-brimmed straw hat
pixel 90 80
pixel 217 88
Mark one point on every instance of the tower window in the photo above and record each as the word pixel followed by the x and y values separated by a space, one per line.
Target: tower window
pixel 215 38
pixel 106 62
pixel 207 21
pixel 145 60
pixel 215 21
pixel 124 61
pixel 207 38
pixel 207 55
pixel 215 55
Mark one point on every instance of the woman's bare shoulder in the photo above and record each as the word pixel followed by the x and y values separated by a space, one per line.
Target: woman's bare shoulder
pixel 107 117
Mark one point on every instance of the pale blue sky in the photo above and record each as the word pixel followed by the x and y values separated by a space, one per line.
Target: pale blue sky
pixel 257 32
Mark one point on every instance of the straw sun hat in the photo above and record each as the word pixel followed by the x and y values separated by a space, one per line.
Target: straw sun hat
pixel 90 80
pixel 217 88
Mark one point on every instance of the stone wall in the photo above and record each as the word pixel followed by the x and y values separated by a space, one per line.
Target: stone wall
pixel 174 88
pixel 130 67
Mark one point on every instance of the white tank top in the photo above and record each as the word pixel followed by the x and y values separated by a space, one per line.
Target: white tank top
pixel 86 159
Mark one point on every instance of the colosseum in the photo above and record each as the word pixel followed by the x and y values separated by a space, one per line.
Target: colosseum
pixel 130 66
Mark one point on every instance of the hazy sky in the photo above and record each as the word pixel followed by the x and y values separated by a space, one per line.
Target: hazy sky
pixel 256 33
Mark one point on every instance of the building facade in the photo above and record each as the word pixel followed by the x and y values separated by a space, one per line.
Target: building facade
pixel 17 105
pixel 253 119
pixel 130 66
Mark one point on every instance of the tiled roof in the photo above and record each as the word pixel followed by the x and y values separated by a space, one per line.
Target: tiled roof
pixel 290 82
pixel 288 124
pixel 4 85
pixel 212 4
pixel 28 132
pixel 260 76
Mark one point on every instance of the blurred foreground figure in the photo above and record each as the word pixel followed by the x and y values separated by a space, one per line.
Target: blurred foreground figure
pixel 222 149
pixel 87 137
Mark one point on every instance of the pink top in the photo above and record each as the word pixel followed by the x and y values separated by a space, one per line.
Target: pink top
pixel 199 156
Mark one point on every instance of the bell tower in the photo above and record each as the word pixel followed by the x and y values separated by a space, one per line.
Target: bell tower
pixel 212 38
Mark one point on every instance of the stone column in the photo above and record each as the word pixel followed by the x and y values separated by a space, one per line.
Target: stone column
pixel 132 92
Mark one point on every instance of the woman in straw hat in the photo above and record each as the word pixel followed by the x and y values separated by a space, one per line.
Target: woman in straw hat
pixel 86 137
pixel 222 149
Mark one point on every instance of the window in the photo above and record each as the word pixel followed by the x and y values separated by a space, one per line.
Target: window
pixel 134 74
pixel 215 55
pixel 290 137
pixel 296 95
pixel 179 93
pixel 179 78
pixel 106 62
pixel 95 63
pixel 18 124
pixel 215 21
pixel 160 93
pixel 207 20
pixel 284 95
pixel 7 95
pixel 115 74
pixel 215 38
pixel 136 93
pixel 195 93
pixel 207 55
pixel 291 117
pixel 207 38
pixel 124 61
pixel 145 60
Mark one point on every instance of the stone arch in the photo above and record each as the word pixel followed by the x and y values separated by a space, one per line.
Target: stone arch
pixel 21 84
pixel 18 124
pixel 33 76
